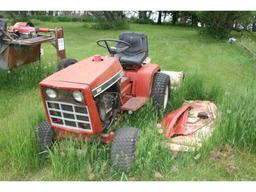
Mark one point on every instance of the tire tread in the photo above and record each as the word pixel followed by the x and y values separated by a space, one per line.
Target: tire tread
pixel 160 82
pixel 45 136
pixel 124 147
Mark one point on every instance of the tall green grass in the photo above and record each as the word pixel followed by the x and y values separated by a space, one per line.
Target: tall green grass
pixel 248 43
pixel 25 76
pixel 72 161
pixel 194 88
pixel 238 118
pixel 21 111
pixel 78 160
pixel 19 149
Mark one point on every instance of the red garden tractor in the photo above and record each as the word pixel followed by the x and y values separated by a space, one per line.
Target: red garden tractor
pixel 83 99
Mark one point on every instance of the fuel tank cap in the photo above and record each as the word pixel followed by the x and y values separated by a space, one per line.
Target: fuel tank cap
pixel 97 58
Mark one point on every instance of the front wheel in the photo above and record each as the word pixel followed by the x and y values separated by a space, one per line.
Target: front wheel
pixel 124 147
pixel 161 91
pixel 45 136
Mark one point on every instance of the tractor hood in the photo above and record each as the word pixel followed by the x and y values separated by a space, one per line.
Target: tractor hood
pixel 97 72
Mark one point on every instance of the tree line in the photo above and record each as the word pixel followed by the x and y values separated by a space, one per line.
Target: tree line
pixel 218 24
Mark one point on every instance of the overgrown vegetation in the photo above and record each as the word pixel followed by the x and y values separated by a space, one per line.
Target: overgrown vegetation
pixel 214 70
pixel 238 118
pixel 109 20
pixel 65 18
pixel 115 24
pixel 219 24
pixel 248 42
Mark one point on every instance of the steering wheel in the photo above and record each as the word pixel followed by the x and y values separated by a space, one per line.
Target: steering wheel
pixel 105 44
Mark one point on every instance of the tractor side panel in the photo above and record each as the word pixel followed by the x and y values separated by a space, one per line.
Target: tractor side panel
pixel 142 79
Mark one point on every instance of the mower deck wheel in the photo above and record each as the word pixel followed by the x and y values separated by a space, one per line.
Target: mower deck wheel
pixel 161 90
pixel 65 63
pixel 45 135
pixel 124 147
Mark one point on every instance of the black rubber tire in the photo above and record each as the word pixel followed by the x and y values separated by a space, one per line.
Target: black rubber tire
pixel 65 63
pixel 124 147
pixel 160 82
pixel 45 136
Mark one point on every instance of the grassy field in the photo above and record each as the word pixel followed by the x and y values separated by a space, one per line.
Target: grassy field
pixel 214 70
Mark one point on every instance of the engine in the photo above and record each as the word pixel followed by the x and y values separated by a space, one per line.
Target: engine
pixel 108 104
pixel 23 30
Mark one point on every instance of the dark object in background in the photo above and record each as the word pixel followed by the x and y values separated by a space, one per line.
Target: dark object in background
pixel 3 26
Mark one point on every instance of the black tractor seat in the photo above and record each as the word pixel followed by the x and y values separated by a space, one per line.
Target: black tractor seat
pixel 137 53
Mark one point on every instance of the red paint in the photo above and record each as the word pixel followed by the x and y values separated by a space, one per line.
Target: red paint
pixel 175 121
pixel 126 89
pixel 86 72
pixel 89 101
pixel 134 103
pixel 89 74
pixel 97 58
pixel 45 30
pixel 22 27
pixel 107 138
pixel 142 79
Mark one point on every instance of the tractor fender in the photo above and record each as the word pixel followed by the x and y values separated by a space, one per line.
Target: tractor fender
pixel 142 79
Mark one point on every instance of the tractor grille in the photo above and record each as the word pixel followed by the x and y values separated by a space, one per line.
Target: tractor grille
pixel 69 115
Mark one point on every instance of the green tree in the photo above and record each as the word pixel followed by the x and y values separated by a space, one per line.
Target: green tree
pixel 144 16
pixel 219 24
pixel 175 17
pixel 109 20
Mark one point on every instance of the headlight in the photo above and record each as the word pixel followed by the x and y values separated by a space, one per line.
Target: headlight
pixel 78 96
pixel 51 93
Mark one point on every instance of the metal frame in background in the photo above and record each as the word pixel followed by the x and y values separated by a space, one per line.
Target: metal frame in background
pixel 14 53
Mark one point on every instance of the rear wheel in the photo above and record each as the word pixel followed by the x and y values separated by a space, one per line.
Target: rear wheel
pixel 124 147
pixel 45 136
pixel 161 91
pixel 65 63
